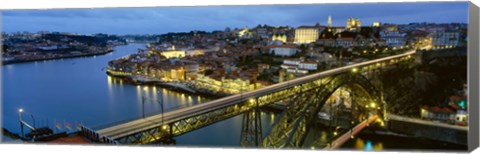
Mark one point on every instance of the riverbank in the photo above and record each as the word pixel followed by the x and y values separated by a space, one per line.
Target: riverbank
pixel 182 87
pixel 59 57
pixel 373 140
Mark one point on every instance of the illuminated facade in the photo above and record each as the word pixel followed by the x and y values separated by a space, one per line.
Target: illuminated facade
pixel 305 35
pixel 245 33
pixel 376 24
pixel 230 86
pixel 173 54
pixel 353 24
pixel 195 52
pixel 329 22
pixel 279 37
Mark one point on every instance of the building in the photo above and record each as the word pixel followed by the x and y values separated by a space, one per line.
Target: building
pixel 329 21
pixel 279 37
pixel 376 24
pixel 283 50
pixel 308 66
pixel 454 113
pixel 298 66
pixel 353 24
pixel 173 54
pixel 191 69
pixel 445 39
pixel 245 33
pixel 195 52
pixel 306 34
pixel 345 42
pixel 262 32
pixel 393 38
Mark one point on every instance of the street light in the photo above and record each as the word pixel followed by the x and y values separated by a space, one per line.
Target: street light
pixel 143 102
pixel 161 105
pixel 355 70
pixel 20 120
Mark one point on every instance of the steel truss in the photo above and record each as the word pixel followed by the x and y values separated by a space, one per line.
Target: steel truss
pixel 305 100
pixel 165 133
pixel 290 130
pixel 251 135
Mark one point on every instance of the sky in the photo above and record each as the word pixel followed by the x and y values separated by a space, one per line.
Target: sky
pixel 159 20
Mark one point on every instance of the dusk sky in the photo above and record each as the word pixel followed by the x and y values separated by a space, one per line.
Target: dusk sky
pixel 181 19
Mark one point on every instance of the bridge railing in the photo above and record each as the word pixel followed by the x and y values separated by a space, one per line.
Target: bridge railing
pixel 232 100
pixel 94 136
pixel 109 124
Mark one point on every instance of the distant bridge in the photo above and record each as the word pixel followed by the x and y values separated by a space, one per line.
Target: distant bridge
pixel 306 96
pixel 425 56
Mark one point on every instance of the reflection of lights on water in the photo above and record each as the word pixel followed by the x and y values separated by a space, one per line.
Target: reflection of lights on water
pixel 368 146
pixel 378 146
pixel 359 144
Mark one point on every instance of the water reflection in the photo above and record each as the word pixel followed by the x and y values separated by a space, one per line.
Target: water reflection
pixel 367 145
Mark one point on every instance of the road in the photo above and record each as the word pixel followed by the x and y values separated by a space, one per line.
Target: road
pixel 345 137
pixel 140 125
pixel 426 122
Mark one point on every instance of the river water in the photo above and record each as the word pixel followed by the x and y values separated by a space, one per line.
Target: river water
pixel 65 92
pixel 60 93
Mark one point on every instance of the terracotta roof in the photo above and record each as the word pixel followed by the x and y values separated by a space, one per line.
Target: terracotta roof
pixel 454 97
pixel 71 140
pixel 454 106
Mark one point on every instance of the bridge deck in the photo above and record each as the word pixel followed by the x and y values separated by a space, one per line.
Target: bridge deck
pixel 345 137
pixel 140 125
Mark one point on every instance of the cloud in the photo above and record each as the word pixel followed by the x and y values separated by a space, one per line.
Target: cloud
pixel 176 19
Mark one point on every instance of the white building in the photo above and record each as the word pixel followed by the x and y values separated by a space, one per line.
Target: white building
pixel 306 34
pixel 445 39
pixel 393 38
pixel 293 61
pixel 297 71
pixel 308 66
pixel 283 50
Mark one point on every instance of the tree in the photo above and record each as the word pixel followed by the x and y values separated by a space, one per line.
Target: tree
pixel 366 32
pixel 326 34
pixel 4 48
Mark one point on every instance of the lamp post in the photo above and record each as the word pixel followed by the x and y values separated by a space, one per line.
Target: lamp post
pixel 20 120
pixel 143 106
pixel 161 105
pixel 33 119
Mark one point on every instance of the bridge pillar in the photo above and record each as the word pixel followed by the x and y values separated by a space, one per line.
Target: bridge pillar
pixel 251 135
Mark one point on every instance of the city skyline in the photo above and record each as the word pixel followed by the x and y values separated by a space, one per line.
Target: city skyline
pixel 184 19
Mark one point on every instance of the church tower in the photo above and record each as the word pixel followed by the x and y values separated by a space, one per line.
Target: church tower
pixel 329 22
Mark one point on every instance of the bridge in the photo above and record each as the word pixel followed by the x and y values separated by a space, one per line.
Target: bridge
pixel 305 97
pixel 425 56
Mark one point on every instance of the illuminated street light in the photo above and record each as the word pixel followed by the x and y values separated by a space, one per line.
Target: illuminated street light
pixel 20 119
pixel 354 70
pixel 372 105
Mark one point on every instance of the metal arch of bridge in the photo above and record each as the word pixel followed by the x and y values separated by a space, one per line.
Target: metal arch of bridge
pixel 290 130
pixel 165 133
pixel 158 133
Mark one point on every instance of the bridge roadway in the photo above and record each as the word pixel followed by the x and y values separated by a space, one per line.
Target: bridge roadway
pixel 337 143
pixel 140 125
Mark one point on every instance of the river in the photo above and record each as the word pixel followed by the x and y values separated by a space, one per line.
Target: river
pixel 77 90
